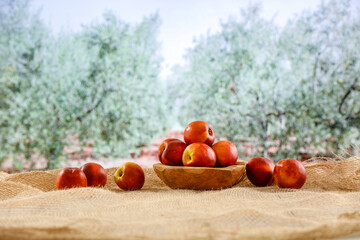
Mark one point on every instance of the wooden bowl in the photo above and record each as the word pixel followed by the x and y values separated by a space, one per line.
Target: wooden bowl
pixel 200 178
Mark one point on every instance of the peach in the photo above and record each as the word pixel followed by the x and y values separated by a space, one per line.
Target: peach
pixel 226 153
pixel 70 178
pixel 171 151
pixel 199 131
pixel 259 171
pixel 199 155
pixel 130 176
pixel 95 174
pixel 289 173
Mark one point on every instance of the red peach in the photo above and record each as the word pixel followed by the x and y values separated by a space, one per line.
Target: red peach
pixel 70 178
pixel 171 151
pixel 130 176
pixel 163 146
pixel 199 155
pixel 199 131
pixel 259 171
pixel 226 153
pixel 95 174
pixel 289 173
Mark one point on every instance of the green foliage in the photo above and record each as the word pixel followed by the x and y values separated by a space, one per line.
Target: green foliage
pixel 294 88
pixel 101 84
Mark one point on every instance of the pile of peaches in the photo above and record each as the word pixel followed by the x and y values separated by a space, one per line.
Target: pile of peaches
pixel 198 150
pixel 129 176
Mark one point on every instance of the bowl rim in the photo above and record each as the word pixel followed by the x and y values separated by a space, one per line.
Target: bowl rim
pixel 238 164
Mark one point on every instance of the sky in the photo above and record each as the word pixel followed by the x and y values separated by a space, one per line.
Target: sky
pixel 182 20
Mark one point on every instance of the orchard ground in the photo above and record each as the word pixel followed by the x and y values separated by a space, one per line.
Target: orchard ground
pixel 76 155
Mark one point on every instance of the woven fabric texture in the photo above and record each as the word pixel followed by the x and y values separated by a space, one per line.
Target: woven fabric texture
pixel 328 206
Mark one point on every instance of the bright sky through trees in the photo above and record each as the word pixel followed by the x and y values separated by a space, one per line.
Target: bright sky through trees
pixel 182 20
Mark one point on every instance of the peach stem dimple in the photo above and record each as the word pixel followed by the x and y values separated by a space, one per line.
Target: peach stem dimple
pixel 119 173
pixel 188 157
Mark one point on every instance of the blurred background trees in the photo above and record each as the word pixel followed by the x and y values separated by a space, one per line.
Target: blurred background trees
pixel 286 89
pixel 100 84
pixel 292 89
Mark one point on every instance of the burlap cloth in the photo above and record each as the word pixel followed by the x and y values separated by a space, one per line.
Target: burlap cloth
pixel 327 206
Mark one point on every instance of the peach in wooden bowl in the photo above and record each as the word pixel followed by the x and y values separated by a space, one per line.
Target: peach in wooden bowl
pixel 200 178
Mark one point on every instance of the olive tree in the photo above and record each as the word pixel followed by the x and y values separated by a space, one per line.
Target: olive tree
pixel 100 83
pixel 293 88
